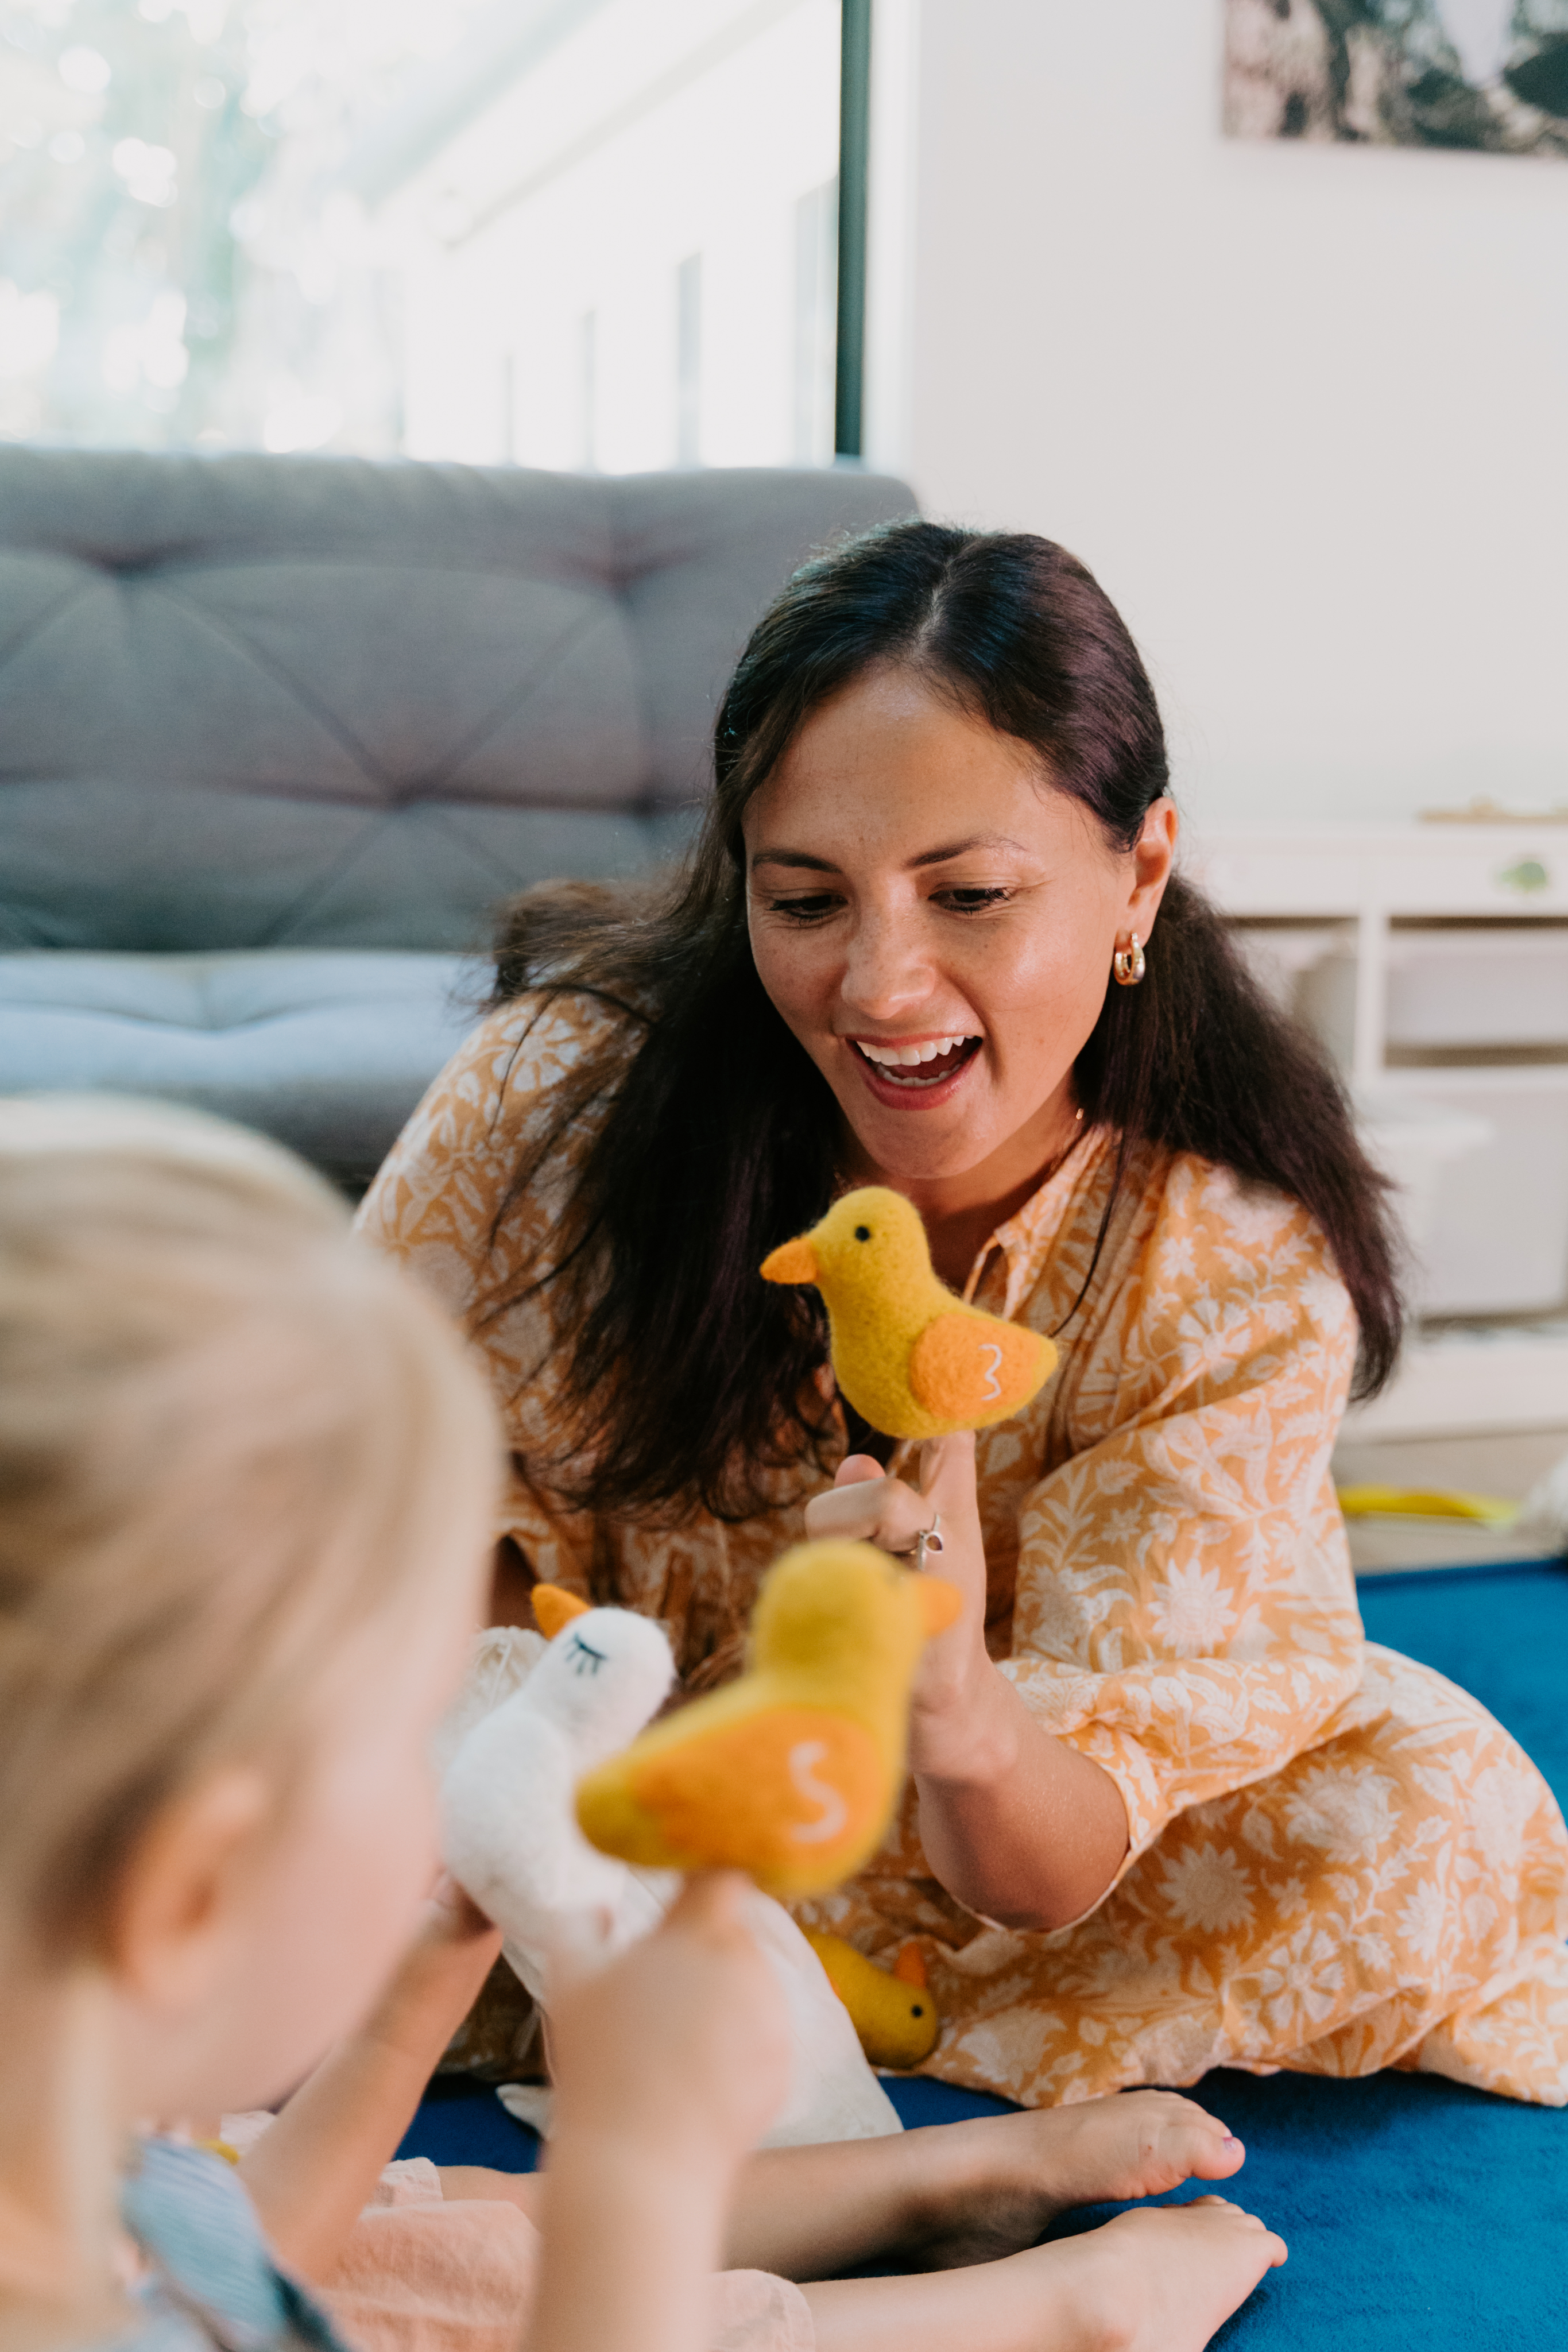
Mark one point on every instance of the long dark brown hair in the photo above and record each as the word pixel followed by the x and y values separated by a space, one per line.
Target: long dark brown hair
pixel 711 1134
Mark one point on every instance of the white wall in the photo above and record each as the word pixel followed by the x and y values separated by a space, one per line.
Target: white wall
pixel 1304 410
pixel 542 242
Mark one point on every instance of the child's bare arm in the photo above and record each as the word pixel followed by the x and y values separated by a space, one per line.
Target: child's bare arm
pixel 667 2067
pixel 313 2172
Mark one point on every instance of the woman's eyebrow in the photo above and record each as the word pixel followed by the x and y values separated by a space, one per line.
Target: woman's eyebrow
pixel 794 858
pixel 802 858
pixel 963 848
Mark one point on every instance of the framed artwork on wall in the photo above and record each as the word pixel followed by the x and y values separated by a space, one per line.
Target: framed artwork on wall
pixel 1485 74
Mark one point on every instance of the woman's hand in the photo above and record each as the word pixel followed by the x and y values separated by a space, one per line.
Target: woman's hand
pixel 1018 1825
pixel 949 1703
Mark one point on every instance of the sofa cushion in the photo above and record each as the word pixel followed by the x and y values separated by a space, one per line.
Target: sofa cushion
pixel 254 702
pixel 328 1051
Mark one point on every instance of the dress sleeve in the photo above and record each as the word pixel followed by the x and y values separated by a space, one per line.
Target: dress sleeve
pixel 1186 1612
pixel 442 1205
pixel 440 1201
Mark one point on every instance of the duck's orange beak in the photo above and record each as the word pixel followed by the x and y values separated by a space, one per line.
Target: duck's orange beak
pixel 555 1607
pixel 910 1965
pixel 940 1603
pixel 793 1261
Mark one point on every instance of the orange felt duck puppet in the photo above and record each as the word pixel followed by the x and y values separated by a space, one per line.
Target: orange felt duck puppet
pixel 793 1771
pixel 913 1360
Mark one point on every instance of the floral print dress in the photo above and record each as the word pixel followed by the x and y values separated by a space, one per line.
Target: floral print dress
pixel 1338 1861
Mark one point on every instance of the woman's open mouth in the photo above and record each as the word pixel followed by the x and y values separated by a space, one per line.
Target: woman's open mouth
pixel 919 1070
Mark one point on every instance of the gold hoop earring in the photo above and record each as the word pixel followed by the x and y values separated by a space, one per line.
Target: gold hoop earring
pixel 1129 964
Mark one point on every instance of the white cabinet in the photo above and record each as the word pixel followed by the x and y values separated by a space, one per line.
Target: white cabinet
pixel 1502 987
pixel 1433 960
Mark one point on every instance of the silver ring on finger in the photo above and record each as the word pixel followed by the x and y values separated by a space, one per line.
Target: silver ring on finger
pixel 928 1539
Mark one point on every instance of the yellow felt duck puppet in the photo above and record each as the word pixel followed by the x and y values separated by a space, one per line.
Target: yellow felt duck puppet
pixel 792 1772
pixel 913 1360
pixel 891 2009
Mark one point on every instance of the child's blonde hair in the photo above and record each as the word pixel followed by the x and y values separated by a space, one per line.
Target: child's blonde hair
pixel 228 1437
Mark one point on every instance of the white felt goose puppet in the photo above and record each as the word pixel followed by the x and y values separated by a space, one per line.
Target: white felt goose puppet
pixel 511 1839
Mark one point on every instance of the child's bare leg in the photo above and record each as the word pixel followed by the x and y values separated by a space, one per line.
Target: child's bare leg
pixel 522 2189
pixel 1160 2280
pixel 967 2192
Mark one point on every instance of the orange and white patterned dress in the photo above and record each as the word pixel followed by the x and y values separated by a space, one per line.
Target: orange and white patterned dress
pixel 1338 1861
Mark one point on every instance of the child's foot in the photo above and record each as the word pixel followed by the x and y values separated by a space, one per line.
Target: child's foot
pixel 996 2183
pixel 1159 2280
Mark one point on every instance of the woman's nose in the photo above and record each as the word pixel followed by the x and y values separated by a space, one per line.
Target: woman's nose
pixel 886 969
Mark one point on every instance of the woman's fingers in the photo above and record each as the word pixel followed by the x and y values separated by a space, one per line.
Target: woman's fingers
pixel 948 1474
pixel 879 1510
pixel 948 1494
pixel 865 1506
pixel 856 1468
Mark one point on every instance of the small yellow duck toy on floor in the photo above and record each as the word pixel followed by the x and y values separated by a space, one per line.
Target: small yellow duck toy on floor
pixel 891 2009
pixel 913 1360
pixel 793 1771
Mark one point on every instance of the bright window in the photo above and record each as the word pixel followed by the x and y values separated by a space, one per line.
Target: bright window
pixel 570 233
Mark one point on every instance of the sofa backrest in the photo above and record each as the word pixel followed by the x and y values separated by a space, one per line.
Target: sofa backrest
pixel 258 700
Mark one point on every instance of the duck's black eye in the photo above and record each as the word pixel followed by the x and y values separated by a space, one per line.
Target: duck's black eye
pixel 862 1233
pixel 917 2011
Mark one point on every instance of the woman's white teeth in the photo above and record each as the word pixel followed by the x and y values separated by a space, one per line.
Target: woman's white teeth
pixel 906 1057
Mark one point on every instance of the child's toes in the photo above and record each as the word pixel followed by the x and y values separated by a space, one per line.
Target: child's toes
pixel 1278 2251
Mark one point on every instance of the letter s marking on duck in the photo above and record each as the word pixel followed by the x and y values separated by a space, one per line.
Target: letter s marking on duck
pixel 834 1812
pixel 993 1388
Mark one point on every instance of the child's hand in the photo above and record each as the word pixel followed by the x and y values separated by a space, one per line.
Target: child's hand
pixel 681 2045
pixel 668 2066
pixel 454 1931
pixel 439 1977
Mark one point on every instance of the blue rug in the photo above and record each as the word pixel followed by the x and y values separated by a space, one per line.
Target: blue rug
pixel 1419 2213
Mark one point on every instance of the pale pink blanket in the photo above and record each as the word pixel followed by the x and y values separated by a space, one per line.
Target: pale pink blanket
pixel 422 2273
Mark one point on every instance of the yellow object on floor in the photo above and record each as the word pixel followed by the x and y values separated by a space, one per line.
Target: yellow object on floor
pixel 1424 1503
pixel 891 2009
pixel 792 1772
pixel 913 1360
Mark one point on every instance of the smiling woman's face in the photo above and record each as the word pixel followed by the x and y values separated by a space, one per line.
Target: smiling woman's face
pixel 935 922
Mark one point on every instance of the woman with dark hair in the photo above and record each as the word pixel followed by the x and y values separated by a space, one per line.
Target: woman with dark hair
pixel 1167 1808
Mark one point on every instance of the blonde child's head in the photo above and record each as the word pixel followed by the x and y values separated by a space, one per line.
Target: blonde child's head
pixel 247 1477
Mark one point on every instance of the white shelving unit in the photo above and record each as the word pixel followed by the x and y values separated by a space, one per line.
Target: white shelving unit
pixel 1433 960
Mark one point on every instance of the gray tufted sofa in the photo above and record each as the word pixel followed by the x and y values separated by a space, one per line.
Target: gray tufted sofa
pixel 276 735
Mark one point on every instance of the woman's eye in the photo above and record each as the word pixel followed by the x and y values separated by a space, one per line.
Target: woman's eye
pixel 804 910
pixel 972 902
